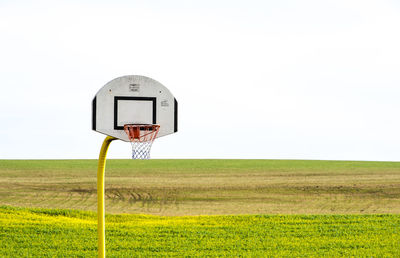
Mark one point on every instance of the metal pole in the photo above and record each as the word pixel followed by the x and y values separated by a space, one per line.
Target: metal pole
pixel 100 197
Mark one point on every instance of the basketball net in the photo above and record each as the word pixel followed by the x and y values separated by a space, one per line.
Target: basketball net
pixel 141 137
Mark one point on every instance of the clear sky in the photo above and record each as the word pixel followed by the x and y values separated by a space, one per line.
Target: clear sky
pixel 254 79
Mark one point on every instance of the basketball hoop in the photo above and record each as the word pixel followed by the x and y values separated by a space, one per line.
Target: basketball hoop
pixel 133 101
pixel 141 137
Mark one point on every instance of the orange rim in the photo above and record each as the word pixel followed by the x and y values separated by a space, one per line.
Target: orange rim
pixel 141 132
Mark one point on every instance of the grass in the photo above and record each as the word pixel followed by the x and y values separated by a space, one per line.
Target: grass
pixel 205 187
pixel 69 233
pixel 354 205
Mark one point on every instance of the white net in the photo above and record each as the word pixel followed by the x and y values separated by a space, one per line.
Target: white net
pixel 141 150
pixel 141 137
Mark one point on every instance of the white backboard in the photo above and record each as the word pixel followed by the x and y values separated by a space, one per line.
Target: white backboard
pixel 134 99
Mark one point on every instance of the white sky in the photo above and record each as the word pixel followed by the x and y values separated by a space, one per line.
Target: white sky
pixel 254 79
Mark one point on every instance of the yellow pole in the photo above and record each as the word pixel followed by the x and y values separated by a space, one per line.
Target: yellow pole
pixel 100 197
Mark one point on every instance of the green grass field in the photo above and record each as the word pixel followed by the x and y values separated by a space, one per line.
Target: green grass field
pixel 332 208
pixel 66 233
pixel 205 187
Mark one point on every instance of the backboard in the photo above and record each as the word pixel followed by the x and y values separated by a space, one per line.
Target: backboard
pixel 134 99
